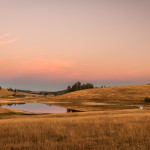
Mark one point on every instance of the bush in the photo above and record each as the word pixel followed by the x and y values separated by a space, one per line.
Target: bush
pixel 60 93
pixel 10 89
pixel 147 99
pixel 20 96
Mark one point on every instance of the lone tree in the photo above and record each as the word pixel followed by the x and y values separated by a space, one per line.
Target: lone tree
pixel 45 94
pixel 69 88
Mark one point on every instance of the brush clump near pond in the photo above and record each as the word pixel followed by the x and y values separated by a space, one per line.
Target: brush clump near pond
pixel 147 99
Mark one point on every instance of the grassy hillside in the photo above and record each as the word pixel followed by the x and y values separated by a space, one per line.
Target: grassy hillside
pixel 123 94
pixel 5 93
pixel 7 96
pixel 120 96
pixel 95 129
pixel 114 130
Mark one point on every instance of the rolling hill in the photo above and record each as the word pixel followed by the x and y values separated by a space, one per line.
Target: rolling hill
pixel 122 94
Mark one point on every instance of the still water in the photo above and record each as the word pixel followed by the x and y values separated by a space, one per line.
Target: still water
pixel 38 108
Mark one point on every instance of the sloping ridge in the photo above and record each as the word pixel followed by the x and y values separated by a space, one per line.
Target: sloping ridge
pixel 5 92
pixel 123 94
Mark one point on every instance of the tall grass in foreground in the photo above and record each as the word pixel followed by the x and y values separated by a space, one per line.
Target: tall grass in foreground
pixel 101 132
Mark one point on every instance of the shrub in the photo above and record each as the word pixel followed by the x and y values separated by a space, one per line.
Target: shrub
pixel 14 95
pixel 10 89
pixel 147 99
pixel 60 93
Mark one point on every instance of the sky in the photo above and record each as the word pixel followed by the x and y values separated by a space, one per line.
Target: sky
pixel 49 44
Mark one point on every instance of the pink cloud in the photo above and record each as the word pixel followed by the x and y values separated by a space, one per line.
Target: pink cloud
pixel 49 69
pixel 5 35
pixel 5 42
pixel 8 42
pixel 37 68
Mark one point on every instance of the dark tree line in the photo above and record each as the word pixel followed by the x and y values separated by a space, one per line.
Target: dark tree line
pixel 10 89
pixel 78 86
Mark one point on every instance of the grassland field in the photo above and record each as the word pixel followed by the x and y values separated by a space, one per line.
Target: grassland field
pixel 99 127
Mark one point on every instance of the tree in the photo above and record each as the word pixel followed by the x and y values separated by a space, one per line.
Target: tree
pixel 10 89
pixel 78 86
pixel 84 86
pixel 89 86
pixel 69 89
pixel 45 94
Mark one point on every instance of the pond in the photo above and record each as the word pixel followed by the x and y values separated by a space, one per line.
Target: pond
pixel 38 108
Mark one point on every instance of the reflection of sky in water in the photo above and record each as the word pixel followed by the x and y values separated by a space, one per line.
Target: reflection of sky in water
pixel 37 108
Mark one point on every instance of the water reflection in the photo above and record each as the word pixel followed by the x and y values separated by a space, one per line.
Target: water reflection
pixel 16 104
pixel 38 108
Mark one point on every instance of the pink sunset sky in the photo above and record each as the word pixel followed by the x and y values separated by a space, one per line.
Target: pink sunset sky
pixel 48 44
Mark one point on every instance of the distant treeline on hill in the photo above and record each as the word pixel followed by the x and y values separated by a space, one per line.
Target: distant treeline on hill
pixel 78 86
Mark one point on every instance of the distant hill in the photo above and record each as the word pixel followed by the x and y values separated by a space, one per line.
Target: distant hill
pixel 121 94
pixel 41 92
pixel 9 93
pixel 24 91
pixel 5 92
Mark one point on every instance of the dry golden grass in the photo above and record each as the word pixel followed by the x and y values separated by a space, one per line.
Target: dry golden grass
pixel 5 93
pixel 92 130
pixel 7 97
pixel 122 130
pixel 122 94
